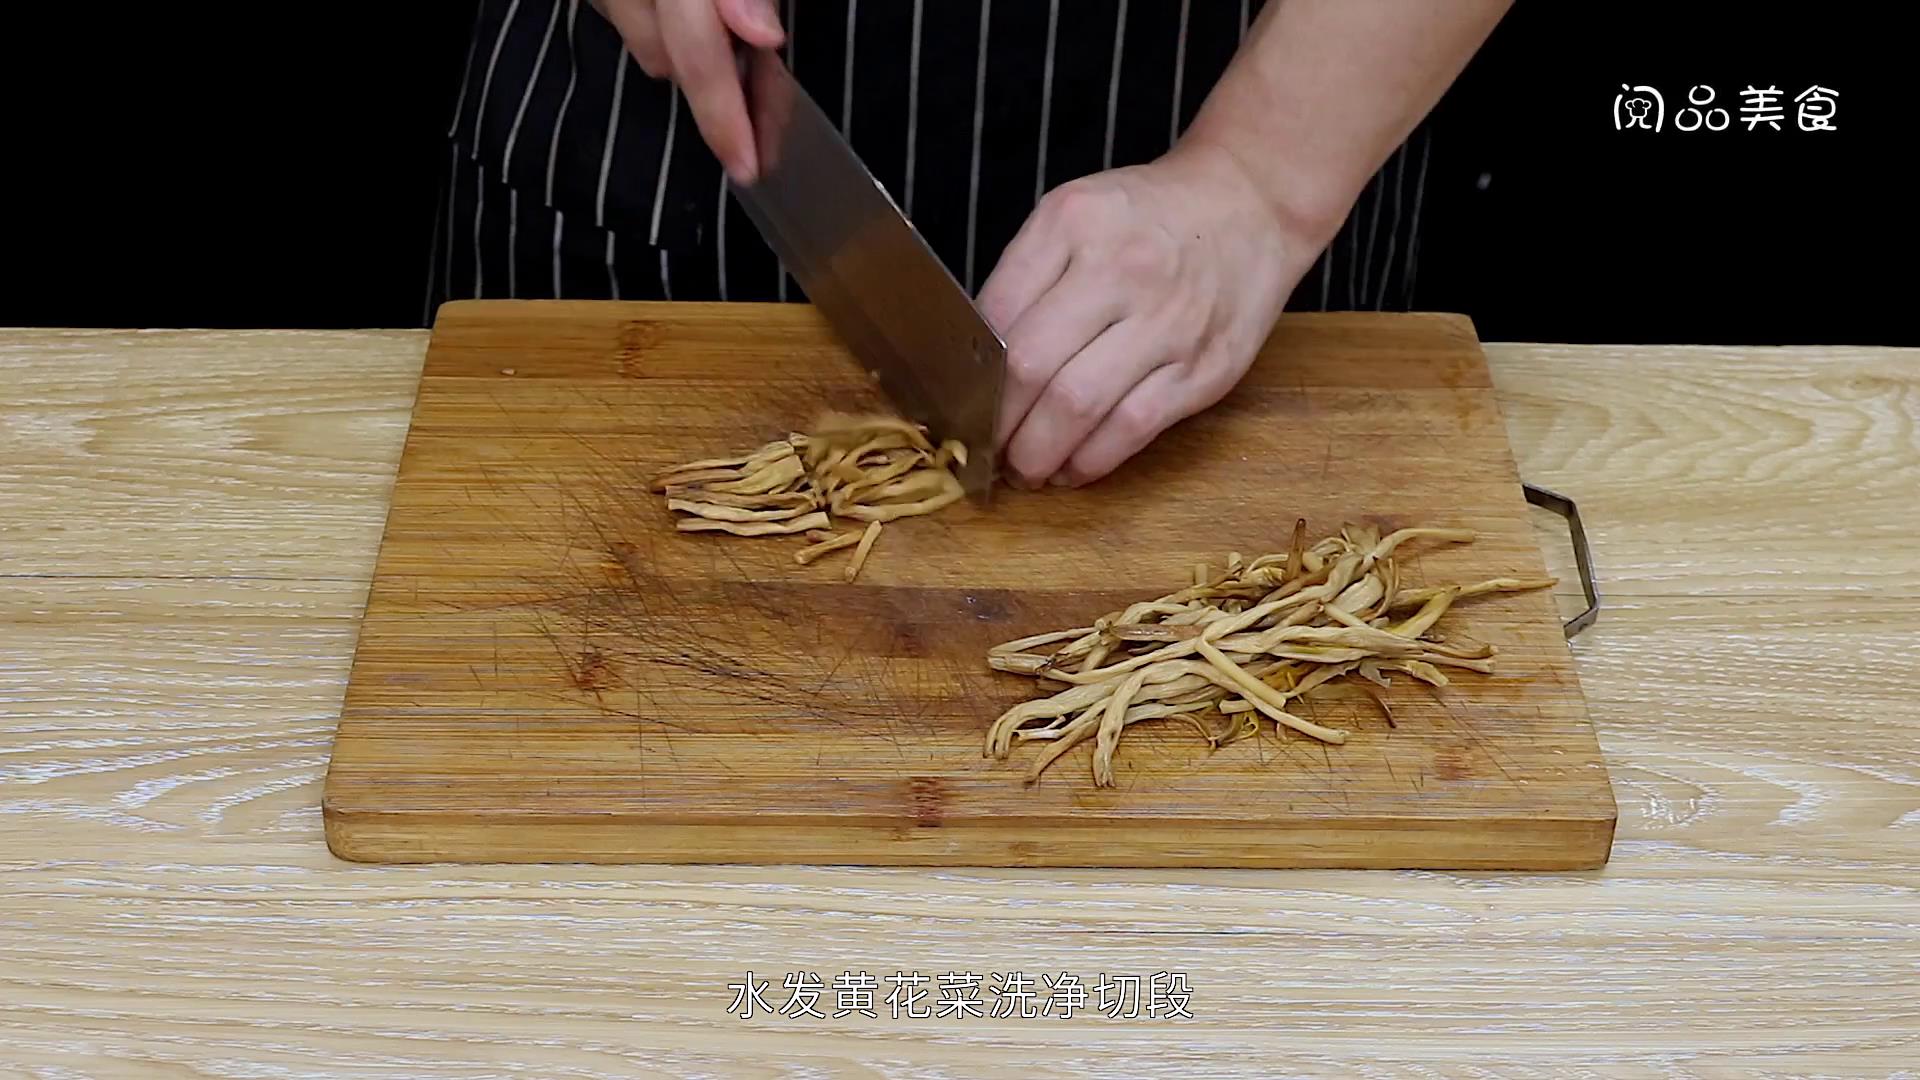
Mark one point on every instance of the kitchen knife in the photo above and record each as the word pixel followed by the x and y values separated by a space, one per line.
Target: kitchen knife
pixel 867 269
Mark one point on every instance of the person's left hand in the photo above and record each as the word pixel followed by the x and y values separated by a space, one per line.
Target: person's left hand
pixel 1130 300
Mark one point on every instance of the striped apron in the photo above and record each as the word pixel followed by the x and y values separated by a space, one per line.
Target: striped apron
pixel 572 174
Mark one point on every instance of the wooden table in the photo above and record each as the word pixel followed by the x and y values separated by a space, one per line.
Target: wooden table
pixel 187 525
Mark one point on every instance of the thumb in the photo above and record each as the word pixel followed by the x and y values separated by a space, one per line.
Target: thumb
pixel 756 22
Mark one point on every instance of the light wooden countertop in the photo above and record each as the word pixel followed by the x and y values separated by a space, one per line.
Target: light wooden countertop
pixel 187 524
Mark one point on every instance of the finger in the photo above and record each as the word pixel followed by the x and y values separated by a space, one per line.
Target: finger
pixel 701 51
pixel 1055 327
pixel 639 28
pixel 1162 399
pixel 1029 265
pixel 756 22
pixel 1079 399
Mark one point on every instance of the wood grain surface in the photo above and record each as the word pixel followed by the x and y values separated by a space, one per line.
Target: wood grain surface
pixel 188 523
pixel 548 672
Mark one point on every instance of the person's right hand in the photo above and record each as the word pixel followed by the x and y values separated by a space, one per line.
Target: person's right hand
pixel 691 42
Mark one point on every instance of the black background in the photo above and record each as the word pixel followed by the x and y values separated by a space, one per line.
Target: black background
pixel 219 165
pixel 1588 234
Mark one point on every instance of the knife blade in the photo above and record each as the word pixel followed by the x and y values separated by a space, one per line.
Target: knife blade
pixel 896 306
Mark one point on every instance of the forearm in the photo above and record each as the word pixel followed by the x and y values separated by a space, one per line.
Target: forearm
pixel 1323 91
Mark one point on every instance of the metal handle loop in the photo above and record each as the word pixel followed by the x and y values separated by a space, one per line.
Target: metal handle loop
pixel 1582 552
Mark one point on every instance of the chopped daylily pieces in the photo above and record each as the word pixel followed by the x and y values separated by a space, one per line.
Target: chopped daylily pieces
pixel 869 469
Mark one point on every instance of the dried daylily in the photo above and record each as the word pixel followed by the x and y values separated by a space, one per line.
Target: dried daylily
pixel 860 553
pixel 870 469
pixel 1415 597
pixel 814 520
pixel 824 545
pixel 715 511
pixel 1230 649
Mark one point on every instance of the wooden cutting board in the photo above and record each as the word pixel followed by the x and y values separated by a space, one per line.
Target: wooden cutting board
pixel 547 671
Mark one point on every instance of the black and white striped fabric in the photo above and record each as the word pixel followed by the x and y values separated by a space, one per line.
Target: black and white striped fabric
pixel 572 174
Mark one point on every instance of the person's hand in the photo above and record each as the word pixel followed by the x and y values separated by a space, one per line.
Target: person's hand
pixel 1130 300
pixel 691 42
